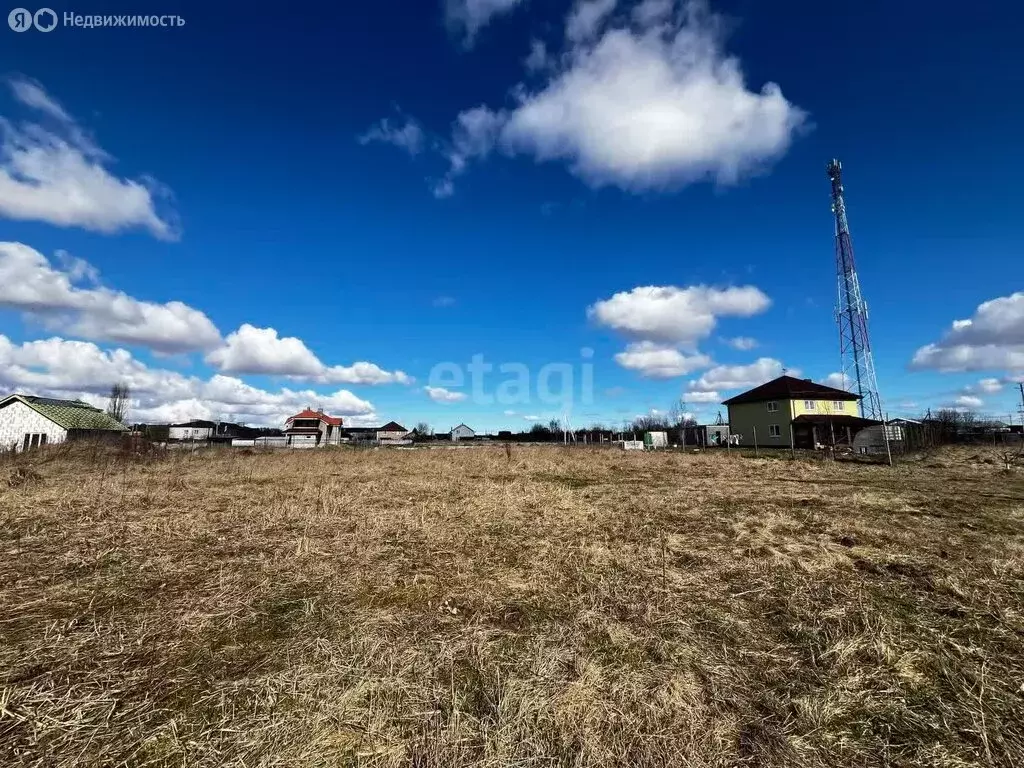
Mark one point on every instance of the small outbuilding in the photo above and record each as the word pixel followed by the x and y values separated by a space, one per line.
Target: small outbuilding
pixel 28 421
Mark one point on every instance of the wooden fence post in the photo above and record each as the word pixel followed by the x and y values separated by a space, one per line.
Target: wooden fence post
pixel 755 442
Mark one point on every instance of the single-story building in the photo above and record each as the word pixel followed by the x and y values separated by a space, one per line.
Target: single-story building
pixel 197 429
pixel 27 421
pixel 461 432
pixel 705 435
pixel 801 411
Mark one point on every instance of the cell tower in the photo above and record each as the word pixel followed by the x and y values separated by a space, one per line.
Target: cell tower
pixel 858 365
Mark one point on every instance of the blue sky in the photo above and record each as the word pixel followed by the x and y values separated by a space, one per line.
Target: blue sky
pixel 253 213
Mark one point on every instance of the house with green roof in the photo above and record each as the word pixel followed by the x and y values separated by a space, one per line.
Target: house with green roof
pixel 28 421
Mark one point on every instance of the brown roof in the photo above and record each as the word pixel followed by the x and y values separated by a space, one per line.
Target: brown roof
pixel 393 426
pixel 790 388
pixel 309 414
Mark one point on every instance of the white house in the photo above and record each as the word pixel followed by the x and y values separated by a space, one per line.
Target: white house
pixel 191 430
pixel 462 432
pixel 27 421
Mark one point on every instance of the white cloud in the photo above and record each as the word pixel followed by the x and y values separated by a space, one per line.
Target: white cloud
pixel 702 397
pixel 467 17
pixel 655 104
pixel 676 315
pixel 261 350
pixel 443 188
pixel 63 368
pixel 839 381
pixel 407 136
pixel 60 177
pixel 363 373
pixel 742 343
pixel 651 12
pixel 989 386
pixel 739 376
pixel 538 59
pixel 442 395
pixel 991 339
pixel 30 284
pixel 967 401
pixel 656 361
pixel 586 18
pixel 32 94
pixel 532 418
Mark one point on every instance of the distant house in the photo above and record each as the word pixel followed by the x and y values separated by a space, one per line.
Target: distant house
pixel 197 429
pixel 788 408
pixel 901 422
pixel 392 431
pixel 462 432
pixel 27 421
pixel 312 426
pixel 360 434
pixel 226 432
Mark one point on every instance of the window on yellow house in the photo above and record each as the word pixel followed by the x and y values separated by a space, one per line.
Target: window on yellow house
pixel 810 405
pixel 838 405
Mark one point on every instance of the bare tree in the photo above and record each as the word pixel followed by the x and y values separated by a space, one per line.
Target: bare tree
pixel 117 405
pixel 424 430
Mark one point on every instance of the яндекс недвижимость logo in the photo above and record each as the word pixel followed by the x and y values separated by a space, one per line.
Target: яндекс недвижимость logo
pixel 22 20
pixel 46 20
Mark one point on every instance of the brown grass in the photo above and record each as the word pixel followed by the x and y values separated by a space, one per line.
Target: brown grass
pixel 548 607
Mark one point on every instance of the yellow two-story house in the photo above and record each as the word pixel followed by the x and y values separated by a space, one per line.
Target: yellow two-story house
pixel 788 410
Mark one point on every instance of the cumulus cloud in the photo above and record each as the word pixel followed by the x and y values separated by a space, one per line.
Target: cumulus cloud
pixel 674 315
pixel 989 386
pixel 29 283
pixel 585 19
pixel 839 381
pixel 742 343
pixel 408 135
pixel 57 175
pixel 739 376
pixel 991 339
pixel 646 103
pixel 442 395
pixel 702 397
pixel 967 401
pixel 467 17
pixel 63 368
pixel 262 351
pixel 656 361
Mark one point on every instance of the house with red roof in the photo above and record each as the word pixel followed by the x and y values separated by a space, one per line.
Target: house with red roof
pixel 311 426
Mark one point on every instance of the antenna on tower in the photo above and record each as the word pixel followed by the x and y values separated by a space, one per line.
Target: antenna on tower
pixel 856 360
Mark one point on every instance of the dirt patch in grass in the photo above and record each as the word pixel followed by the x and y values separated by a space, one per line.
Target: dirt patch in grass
pixel 476 608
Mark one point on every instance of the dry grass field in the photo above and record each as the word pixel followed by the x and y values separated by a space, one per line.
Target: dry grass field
pixel 472 608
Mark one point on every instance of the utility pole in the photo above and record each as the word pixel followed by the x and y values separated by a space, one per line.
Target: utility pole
pixel 1021 450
